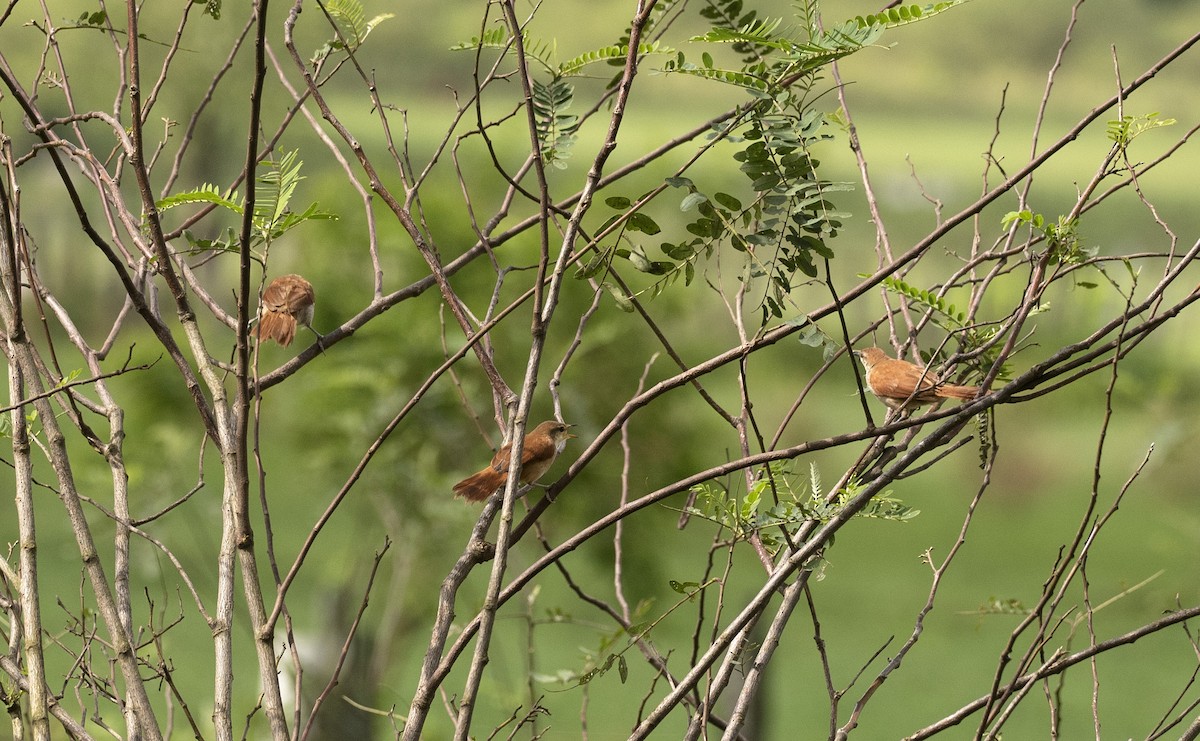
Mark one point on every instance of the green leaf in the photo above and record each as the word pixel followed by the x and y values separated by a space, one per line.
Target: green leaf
pixel 592 267
pixel 905 14
pixel 757 32
pixel 556 130
pixel 624 302
pixel 206 193
pixel 681 251
pixel 640 222
pixel 811 336
pixel 691 200
pixel 728 201
pixel 608 54
pixel 352 26
pixel 687 588
pixel 639 261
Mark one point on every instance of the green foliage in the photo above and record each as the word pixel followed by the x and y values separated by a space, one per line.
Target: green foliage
pixel 97 19
pixel 1002 606
pixel 944 313
pixel 499 39
pixel 749 80
pixel 556 130
pixel 904 14
pixel 791 58
pixel 272 216
pixel 352 27
pixel 799 499
pixel 771 56
pixel 543 52
pixel 812 336
pixel 785 228
pixel 615 54
pixel 212 8
pixel 727 14
pixel 782 232
pixel 638 222
pixel 759 33
pixel 1062 236
pixel 610 652
pixel 793 216
pixel 947 316
pixel 206 193
pixel 623 299
pixel 1123 131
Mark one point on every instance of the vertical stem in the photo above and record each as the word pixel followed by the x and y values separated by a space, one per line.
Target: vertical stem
pixel 237 457
pixel 31 616
pixel 30 628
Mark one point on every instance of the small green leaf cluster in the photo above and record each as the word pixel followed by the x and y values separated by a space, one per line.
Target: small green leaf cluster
pixel 31 421
pixel 596 666
pixel 272 215
pixel 1062 236
pixel 727 14
pixel 212 8
pixel 556 130
pixel 93 19
pixel 782 232
pixel 812 336
pixel 776 59
pixel 640 222
pixel 1124 130
pixel 1003 606
pixel 610 652
pixel 794 215
pixel 905 14
pixel 543 52
pixel 787 227
pixel 799 501
pixel 352 27
pixel 753 78
pixel 947 316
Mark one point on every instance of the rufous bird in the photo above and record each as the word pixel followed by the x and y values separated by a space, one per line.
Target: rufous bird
pixel 904 385
pixel 539 450
pixel 287 300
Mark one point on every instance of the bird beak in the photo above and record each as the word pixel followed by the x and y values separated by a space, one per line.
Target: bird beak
pixel 569 434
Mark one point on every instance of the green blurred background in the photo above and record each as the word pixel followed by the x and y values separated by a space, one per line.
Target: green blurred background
pixel 929 101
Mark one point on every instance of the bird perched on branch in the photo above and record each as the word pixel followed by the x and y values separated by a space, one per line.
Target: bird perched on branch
pixel 287 300
pixel 539 450
pixel 904 385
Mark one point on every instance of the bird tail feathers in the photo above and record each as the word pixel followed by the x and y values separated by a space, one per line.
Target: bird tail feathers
pixel 479 486
pixel 950 391
pixel 278 326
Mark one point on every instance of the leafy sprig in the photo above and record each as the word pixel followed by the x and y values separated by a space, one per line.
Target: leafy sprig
pixel 272 217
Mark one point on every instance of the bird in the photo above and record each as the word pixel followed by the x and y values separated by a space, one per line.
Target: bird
pixel 895 382
pixel 287 300
pixel 539 450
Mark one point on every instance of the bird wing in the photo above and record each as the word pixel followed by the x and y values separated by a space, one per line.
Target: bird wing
pixel 898 380
pixel 530 451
